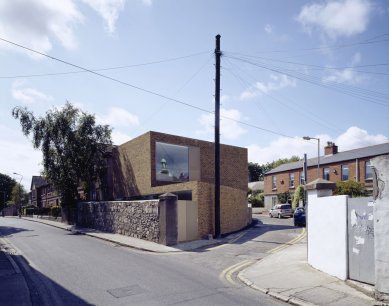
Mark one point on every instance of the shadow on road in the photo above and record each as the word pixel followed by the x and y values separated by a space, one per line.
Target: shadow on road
pixel 6 231
pixel 37 289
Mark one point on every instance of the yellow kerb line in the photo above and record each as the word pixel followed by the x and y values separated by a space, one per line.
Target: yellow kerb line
pixel 289 243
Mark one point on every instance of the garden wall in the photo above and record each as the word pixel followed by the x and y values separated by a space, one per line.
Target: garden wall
pixel 139 219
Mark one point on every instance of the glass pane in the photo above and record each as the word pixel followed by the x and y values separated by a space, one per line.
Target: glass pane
pixel 368 170
pixel 172 162
pixel 344 172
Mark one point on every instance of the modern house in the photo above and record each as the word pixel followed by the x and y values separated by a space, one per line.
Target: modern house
pixel 156 163
pixel 334 166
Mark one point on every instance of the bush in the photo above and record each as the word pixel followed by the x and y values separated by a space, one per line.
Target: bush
pixel 256 199
pixel 55 211
pixel 283 197
pixel 298 196
pixel 351 188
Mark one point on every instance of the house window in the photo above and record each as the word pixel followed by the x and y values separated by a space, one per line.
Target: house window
pixel 274 182
pixel 344 172
pixel 326 173
pixel 291 180
pixel 368 170
pixel 302 178
pixel 171 162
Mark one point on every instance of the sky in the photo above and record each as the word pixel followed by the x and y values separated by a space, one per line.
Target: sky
pixel 289 69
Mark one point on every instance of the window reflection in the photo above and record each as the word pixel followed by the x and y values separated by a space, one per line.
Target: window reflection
pixel 172 162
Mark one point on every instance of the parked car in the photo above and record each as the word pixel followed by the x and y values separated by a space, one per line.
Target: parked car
pixel 299 217
pixel 281 210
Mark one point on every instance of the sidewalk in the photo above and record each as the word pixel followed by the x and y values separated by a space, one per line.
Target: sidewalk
pixel 13 289
pixel 287 276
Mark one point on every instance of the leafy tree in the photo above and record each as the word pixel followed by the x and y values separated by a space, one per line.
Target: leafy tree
pixel 257 172
pixel 298 195
pixel 6 185
pixel 350 188
pixel 72 145
pixel 19 195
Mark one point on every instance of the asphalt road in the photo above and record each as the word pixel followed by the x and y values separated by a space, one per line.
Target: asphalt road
pixel 67 269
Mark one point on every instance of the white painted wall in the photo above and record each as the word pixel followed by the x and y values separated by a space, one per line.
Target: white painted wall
pixel 327 234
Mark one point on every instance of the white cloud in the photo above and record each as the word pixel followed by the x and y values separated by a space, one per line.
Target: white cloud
pixel 118 117
pixel 147 2
pixel 28 95
pixel 347 75
pixel 17 155
pixel 108 10
pixel 259 88
pixel 34 23
pixel 284 147
pixel 229 129
pixel 119 138
pixel 268 29
pixel 336 18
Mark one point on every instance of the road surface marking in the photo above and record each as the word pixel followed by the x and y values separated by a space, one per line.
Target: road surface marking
pixel 228 272
pixel 289 243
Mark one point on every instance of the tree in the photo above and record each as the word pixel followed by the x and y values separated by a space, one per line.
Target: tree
pixel 72 145
pixel 298 195
pixel 6 185
pixel 19 195
pixel 350 188
pixel 257 172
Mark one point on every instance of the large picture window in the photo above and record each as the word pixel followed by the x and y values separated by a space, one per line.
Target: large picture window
pixel 171 162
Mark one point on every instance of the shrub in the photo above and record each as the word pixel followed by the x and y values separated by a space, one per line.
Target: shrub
pixel 55 211
pixel 298 196
pixel 256 199
pixel 283 197
pixel 351 188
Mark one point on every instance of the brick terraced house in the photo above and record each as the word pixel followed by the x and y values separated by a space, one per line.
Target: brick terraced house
pixel 334 166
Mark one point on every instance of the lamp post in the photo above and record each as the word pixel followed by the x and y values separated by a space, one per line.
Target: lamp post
pixel 20 198
pixel 318 153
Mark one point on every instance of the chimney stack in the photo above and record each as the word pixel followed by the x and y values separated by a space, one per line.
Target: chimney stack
pixel 331 148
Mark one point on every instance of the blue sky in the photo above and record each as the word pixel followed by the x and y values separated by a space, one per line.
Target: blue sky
pixel 289 69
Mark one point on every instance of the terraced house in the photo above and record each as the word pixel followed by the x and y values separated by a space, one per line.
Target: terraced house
pixel 334 166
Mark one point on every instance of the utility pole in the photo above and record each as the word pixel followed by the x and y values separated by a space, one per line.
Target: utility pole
pixel 217 137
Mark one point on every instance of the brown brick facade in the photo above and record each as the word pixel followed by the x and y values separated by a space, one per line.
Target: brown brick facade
pixel 134 174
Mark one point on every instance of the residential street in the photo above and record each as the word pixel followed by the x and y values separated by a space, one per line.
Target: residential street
pixel 74 269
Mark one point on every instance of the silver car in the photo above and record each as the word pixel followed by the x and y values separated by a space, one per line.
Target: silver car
pixel 281 210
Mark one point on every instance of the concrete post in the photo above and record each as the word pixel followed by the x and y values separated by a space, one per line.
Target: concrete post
pixel 381 224
pixel 168 223
pixel 319 188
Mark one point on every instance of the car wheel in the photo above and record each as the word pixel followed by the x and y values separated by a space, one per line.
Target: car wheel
pixel 279 216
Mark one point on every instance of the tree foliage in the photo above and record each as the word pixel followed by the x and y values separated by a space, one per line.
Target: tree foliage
pixel 350 188
pixel 6 185
pixel 19 195
pixel 297 196
pixel 72 145
pixel 257 172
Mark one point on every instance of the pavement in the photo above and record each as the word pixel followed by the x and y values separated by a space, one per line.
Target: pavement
pixel 284 274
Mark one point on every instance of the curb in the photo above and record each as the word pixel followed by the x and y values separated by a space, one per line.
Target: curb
pixel 276 295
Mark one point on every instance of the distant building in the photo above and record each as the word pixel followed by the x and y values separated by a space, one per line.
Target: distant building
pixel 43 194
pixel 334 166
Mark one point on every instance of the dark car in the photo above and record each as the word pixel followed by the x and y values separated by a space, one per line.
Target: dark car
pixel 299 216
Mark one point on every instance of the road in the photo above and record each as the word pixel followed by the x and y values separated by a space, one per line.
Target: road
pixel 63 268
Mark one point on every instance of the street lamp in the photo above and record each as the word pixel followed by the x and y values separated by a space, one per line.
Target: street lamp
pixel 20 197
pixel 318 153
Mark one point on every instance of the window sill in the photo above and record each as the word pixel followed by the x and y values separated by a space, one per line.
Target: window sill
pixel 292 187
pixel 274 189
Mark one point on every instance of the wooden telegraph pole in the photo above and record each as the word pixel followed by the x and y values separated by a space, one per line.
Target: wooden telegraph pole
pixel 217 137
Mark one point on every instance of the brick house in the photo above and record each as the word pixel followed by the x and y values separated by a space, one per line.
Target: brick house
pixel 43 194
pixel 334 166
pixel 155 163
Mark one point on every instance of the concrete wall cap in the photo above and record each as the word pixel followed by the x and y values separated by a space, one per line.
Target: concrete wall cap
pixel 320 184
pixel 167 196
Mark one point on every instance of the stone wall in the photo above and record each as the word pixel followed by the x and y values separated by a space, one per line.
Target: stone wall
pixel 139 219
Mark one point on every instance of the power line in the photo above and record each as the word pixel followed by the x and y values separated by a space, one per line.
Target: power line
pixel 142 89
pixel 306 78
pixel 108 68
